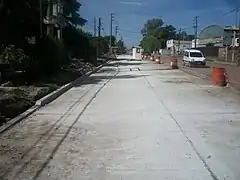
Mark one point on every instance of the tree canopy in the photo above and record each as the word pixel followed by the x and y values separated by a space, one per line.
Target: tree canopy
pixel 121 48
pixel 156 33
pixel 71 12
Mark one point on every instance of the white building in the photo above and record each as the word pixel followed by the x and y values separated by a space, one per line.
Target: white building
pixel 197 43
pixel 137 53
pixel 177 47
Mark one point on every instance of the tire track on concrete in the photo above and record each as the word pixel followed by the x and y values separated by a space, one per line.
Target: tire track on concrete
pixel 49 133
pixel 70 128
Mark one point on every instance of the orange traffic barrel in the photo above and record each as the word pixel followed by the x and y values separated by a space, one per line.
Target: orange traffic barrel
pixel 219 76
pixel 174 63
pixel 174 60
pixel 158 60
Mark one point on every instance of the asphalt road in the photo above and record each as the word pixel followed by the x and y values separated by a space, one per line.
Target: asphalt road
pixel 131 120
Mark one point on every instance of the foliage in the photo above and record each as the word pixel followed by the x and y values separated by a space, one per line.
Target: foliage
pixel 50 55
pixel 121 48
pixel 12 55
pixel 150 43
pixel 71 12
pixel 152 27
pixel 19 19
pixel 155 35
pixel 102 43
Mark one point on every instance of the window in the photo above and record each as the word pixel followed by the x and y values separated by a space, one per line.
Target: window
pixel 186 54
pixel 196 54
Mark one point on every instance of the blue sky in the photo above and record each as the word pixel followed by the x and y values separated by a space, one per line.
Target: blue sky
pixel 130 15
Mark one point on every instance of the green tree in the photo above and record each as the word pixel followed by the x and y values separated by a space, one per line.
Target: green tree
pixel 19 19
pixel 152 27
pixel 155 35
pixel 121 48
pixel 150 44
pixel 71 10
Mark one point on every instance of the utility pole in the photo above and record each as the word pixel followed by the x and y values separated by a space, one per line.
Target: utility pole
pixel 99 34
pixel 235 36
pixel 234 44
pixel 179 34
pixel 95 27
pixel 116 32
pixel 49 16
pixel 238 60
pixel 41 18
pixel 196 29
pixel 111 33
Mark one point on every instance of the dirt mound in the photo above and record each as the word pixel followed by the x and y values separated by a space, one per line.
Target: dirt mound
pixel 15 98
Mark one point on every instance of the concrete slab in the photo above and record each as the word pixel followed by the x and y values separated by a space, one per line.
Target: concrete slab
pixel 131 120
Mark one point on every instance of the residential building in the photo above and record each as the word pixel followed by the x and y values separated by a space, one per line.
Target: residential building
pixel 177 47
pixel 197 43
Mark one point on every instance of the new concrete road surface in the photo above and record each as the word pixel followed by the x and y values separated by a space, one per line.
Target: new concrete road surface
pixel 131 121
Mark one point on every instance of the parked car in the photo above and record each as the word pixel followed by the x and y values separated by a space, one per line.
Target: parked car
pixel 193 57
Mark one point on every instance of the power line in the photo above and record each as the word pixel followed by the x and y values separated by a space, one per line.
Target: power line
pixel 129 31
pixel 231 11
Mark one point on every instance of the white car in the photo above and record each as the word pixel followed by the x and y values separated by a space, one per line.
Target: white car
pixel 193 57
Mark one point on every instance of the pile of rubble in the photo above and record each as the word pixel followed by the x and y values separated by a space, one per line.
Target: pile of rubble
pixel 15 98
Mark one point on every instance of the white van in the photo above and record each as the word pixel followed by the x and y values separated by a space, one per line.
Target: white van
pixel 193 57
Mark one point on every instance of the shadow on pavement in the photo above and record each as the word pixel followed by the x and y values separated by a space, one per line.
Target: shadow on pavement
pixel 97 79
pixel 105 70
pixel 199 67
pixel 32 152
pixel 130 63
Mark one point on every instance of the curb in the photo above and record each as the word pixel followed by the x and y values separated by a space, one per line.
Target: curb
pixel 46 100
pixel 55 94
pixel 17 119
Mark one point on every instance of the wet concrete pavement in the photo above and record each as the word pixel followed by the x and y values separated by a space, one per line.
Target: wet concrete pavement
pixel 130 120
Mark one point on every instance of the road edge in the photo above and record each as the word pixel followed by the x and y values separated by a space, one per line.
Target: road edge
pixel 55 94
pixel 46 100
pixel 230 85
pixel 18 119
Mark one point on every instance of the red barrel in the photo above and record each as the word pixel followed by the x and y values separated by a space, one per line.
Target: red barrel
pixel 158 59
pixel 219 76
pixel 174 60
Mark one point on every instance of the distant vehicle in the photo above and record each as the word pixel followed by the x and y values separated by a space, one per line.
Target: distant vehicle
pixel 237 42
pixel 193 57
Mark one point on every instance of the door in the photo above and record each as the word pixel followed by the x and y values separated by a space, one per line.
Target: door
pixel 186 56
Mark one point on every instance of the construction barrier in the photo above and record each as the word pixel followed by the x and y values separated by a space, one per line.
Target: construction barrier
pixel 158 59
pixel 174 63
pixel 219 76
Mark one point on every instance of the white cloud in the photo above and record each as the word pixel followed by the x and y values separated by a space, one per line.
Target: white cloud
pixel 135 3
